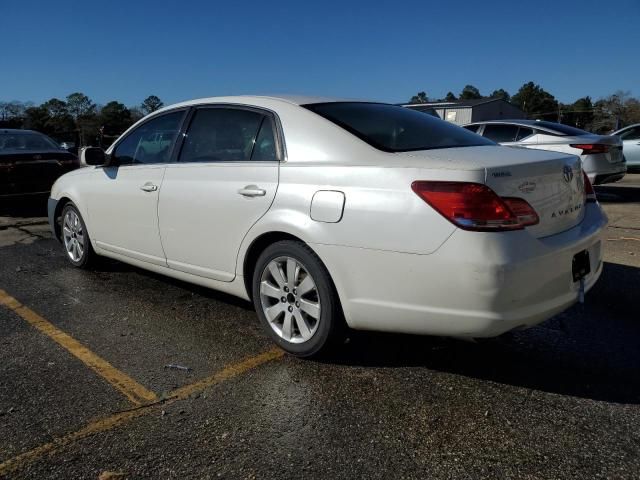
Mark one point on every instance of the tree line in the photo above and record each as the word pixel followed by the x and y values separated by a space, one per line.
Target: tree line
pixel 77 118
pixel 602 116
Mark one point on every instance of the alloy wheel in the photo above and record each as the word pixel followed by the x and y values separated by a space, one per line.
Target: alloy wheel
pixel 73 235
pixel 290 299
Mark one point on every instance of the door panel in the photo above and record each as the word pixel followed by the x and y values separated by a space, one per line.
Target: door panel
pixel 203 217
pixel 631 151
pixel 123 205
pixel 124 217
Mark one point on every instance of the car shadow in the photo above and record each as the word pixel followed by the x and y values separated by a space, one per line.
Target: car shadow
pixel 108 266
pixel 617 194
pixel 590 351
pixel 24 207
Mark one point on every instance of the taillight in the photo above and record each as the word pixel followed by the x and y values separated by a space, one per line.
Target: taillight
pixel 589 192
pixel 473 206
pixel 591 148
pixel 524 212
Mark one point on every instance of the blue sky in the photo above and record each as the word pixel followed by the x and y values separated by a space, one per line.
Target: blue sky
pixel 387 51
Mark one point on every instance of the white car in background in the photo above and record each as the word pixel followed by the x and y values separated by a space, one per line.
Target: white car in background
pixel 630 137
pixel 327 213
pixel 601 155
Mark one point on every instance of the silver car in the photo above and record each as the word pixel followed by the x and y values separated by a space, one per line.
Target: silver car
pixel 601 155
pixel 630 137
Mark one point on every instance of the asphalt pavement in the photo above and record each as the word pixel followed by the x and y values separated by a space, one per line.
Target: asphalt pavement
pixel 121 373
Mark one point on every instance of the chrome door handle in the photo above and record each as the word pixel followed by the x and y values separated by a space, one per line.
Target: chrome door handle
pixel 252 191
pixel 149 187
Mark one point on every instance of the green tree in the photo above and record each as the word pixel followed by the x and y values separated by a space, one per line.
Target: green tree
pixel 79 105
pixel 450 97
pixel 37 118
pixel 83 111
pixel 582 113
pixel 151 104
pixel 536 102
pixel 136 114
pixel 115 118
pixel 501 93
pixel 469 92
pixel 60 124
pixel 421 97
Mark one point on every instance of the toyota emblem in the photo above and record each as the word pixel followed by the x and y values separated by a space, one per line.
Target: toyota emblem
pixel 567 173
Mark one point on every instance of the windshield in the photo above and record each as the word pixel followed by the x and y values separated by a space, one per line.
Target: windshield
pixel 393 128
pixel 560 128
pixel 26 142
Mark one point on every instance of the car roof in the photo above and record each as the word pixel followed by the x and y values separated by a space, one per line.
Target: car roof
pixel 626 128
pixel 17 131
pixel 259 99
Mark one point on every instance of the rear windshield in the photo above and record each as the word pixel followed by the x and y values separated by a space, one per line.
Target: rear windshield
pixel 393 128
pixel 26 142
pixel 562 129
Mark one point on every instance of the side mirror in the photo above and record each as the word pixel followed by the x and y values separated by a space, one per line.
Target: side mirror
pixel 93 156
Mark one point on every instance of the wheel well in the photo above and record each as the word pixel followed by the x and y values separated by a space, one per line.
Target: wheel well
pixel 254 251
pixel 56 215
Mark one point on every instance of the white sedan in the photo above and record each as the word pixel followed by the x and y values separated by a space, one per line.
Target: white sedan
pixel 332 213
pixel 602 157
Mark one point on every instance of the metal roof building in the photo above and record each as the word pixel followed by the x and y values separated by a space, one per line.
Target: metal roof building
pixel 462 112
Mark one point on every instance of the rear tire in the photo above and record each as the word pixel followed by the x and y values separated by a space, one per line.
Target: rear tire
pixel 296 300
pixel 75 238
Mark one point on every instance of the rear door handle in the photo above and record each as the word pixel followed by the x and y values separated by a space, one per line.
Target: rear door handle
pixel 149 187
pixel 252 191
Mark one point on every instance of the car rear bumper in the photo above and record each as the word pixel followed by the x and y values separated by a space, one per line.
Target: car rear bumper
pixel 600 170
pixel 474 285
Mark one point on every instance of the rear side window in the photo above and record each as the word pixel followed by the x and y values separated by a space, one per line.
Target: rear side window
pixel 393 128
pixel 151 142
pixel 26 142
pixel 501 133
pixel 524 132
pixel 631 134
pixel 225 135
pixel 562 129
pixel 472 128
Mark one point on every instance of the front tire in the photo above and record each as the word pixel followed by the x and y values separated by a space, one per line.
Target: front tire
pixel 75 238
pixel 295 299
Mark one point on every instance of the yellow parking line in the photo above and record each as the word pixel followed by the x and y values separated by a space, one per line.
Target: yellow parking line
pixel 135 392
pixel 121 418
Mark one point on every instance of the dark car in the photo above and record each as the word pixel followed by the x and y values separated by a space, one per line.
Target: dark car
pixel 30 162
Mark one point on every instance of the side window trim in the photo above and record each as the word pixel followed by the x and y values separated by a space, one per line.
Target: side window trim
pixel 115 146
pixel 268 114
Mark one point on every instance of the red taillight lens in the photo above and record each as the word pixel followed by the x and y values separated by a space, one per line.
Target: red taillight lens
pixel 589 192
pixel 590 148
pixel 473 206
pixel 524 212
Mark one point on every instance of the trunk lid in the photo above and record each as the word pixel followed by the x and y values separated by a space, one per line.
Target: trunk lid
pixel 552 182
pixel 554 188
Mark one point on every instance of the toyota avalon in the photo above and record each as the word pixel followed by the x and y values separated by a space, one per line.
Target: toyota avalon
pixel 329 214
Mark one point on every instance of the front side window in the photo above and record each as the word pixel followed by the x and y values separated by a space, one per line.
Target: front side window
pixel 500 133
pixel 228 135
pixel 151 142
pixel 392 128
